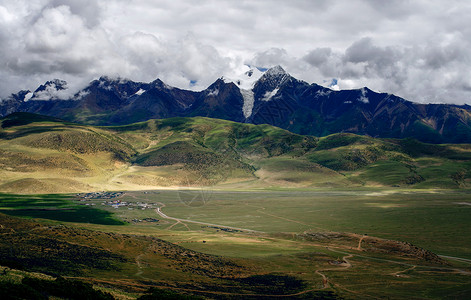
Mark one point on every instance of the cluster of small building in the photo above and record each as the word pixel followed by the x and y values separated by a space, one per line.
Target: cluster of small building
pixel 99 195
pixel 150 220
pixel 110 200
pixel 129 205
pixel 226 229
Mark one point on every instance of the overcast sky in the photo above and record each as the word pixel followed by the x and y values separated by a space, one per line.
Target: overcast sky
pixel 419 50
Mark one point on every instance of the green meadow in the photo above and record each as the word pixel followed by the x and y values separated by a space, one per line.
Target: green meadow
pixel 435 220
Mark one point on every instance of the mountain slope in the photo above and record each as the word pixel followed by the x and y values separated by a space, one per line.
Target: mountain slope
pixel 43 154
pixel 312 109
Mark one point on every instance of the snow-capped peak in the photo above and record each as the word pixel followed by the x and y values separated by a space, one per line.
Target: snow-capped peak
pixel 276 71
pixel 54 89
pixel 245 80
pixel 274 78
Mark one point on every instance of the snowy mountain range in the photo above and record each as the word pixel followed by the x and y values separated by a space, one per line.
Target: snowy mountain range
pixel 260 97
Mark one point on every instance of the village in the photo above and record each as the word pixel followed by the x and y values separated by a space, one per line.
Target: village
pixel 110 199
pixel 99 195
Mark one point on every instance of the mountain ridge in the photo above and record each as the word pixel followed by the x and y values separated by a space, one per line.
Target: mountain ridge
pixel 275 98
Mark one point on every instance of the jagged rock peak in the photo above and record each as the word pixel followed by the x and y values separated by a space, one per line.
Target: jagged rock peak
pixel 52 89
pixel 58 84
pixel 275 75
pixel 107 80
pixel 159 84
pixel 273 78
pixel 276 71
pixel 20 96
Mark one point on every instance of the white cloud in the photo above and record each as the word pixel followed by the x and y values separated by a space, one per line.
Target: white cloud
pixel 416 49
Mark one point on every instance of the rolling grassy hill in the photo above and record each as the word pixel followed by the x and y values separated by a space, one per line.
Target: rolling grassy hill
pixel 41 154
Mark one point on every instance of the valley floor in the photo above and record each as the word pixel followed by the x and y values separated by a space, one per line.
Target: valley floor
pixel 362 243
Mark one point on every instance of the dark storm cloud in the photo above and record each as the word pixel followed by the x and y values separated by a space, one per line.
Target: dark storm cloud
pixel 88 10
pixel 416 49
pixel 318 56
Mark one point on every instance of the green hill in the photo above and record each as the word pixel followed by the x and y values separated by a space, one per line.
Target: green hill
pixel 42 154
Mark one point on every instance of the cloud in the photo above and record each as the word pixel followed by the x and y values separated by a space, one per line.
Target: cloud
pixel 318 56
pixel 416 49
pixel 88 10
pixel 271 57
pixel 176 62
pixel 53 42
